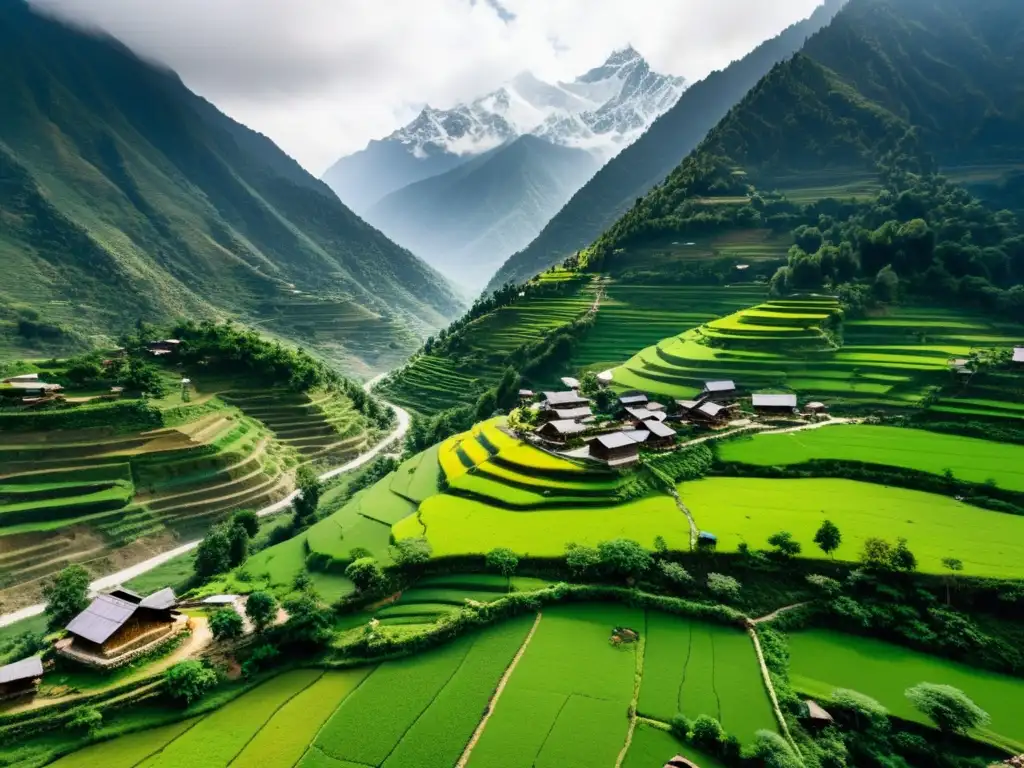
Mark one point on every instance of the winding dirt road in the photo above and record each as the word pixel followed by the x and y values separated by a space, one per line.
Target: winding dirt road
pixel 127 574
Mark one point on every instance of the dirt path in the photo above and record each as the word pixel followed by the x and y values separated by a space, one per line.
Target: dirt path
pixel 771 688
pixel 694 530
pixel 497 695
pixel 637 681
pixel 775 614
pixel 127 574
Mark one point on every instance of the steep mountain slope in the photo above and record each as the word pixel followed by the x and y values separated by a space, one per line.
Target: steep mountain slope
pixel 125 196
pixel 464 221
pixel 650 159
pixel 601 111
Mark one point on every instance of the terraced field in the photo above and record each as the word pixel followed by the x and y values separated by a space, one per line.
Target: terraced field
pixel 976 461
pixel 822 661
pixel 432 382
pixel 750 510
pixel 745 246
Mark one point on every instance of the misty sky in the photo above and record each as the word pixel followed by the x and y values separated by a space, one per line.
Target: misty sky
pixel 322 77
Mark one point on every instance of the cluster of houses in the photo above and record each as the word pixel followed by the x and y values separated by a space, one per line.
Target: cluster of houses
pixel 641 422
pixel 114 629
pixel 29 389
pixel 163 347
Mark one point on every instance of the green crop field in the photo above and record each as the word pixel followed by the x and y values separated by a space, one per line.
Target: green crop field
pixel 127 751
pixel 821 661
pixel 936 527
pixel 977 461
pixel 699 668
pixel 652 747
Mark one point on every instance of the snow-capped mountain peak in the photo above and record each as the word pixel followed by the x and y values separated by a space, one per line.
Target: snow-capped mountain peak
pixel 603 111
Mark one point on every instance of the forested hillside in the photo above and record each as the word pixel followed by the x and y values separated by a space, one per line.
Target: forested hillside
pixel 648 161
pixel 123 196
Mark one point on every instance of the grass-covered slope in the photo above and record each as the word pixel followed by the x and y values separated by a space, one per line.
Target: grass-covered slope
pixel 124 195
pixel 652 157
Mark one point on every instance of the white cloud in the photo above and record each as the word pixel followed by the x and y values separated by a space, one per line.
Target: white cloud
pixel 322 77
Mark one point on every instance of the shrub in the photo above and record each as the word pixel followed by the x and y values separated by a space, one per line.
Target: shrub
pixel 784 544
pixel 261 657
pixel 308 623
pixel 188 681
pixel 826 586
pixel 581 560
pixel 624 558
pixel 707 732
pixel 725 588
pixel 226 624
pixel 66 596
pixel 674 573
pixel 261 608
pixel 949 708
pixel 248 520
pixel 213 556
pixel 863 712
pixel 88 719
pixel 773 751
pixel 365 574
pixel 408 552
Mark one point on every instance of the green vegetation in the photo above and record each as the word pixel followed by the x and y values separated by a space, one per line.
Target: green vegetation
pixel 749 510
pixel 823 661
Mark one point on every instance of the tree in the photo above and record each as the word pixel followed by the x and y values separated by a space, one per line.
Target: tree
pixel 887 284
pixel 706 732
pixel 589 385
pixel 189 681
pixel 660 546
pixel 409 552
pixel 949 708
pixel 226 624
pixel 213 555
pixel 785 545
pixel 261 608
pixel 828 538
pixel 954 566
pixel 580 559
pixel 310 488
pixel 624 557
pixel 877 553
pixel 827 586
pixel 725 588
pixel 674 573
pixel 66 596
pixel 863 712
pixel 238 545
pixel 504 561
pixel 248 520
pixel 88 719
pixel 308 623
pixel 902 558
pixel 773 751
pixel 365 574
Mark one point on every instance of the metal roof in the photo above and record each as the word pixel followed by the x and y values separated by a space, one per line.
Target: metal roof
pixel 719 386
pixel 652 407
pixel 564 398
pixel 658 429
pixel 775 401
pixel 573 413
pixel 1018 354
pixel 638 435
pixel 816 712
pixel 526 393
pixel 26 669
pixel 711 409
pixel 219 599
pixel 633 399
pixel 616 440
pixel 123 593
pixel 104 616
pixel 605 376
pixel 161 600
pixel 22 377
pixel 566 427
pixel 688 405
pixel 570 382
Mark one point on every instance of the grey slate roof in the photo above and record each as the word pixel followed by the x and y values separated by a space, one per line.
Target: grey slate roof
pixel 104 616
pixel 571 414
pixel 566 427
pixel 711 409
pixel 775 401
pixel 658 429
pixel 570 382
pixel 616 440
pixel 719 386
pixel 26 669
pixel 633 399
pixel 161 600
pixel 555 399
pixel 688 405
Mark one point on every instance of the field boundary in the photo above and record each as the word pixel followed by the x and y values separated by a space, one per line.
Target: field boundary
pixel 752 630
pixel 638 681
pixel 493 703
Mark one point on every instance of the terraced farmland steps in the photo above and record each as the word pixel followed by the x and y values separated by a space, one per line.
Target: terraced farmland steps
pixel 138 569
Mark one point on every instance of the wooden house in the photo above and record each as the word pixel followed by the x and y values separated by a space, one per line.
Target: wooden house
pixel 774 405
pixel 710 413
pixel 570 414
pixel 526 395
pixel 20 678
pixel 724 389
pixel 633 401
pixel 637 416
pixel 572 399
pixel 1018 356
pixel 570 383
pixel 560 430
pixel 816 408
pixel 662 436
pixel 118 623
pixel 680 762
pixel 604 378
pixel 684 407
pixel 816 715
pixel 618 449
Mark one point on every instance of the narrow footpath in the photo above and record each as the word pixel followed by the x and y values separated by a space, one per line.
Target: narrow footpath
pixel 127 574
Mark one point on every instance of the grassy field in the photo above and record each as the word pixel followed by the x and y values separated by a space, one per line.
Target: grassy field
pixel 652 747
pixel 970 459
pixel 750 510
pixel 128 751
pixel 703 669
pixel 821 661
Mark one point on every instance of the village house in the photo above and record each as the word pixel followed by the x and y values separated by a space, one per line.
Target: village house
pixel 637 416
pixel 526 395
pixel 20 678
pixel 654 407
pixel 774 405
pixel 680 762
pixel 1018 355
pixel 29 385
pixel 633 401
pixel 164 347
pixel 553 400
pixel 719 389
pixel 570 383
pixel 960 366
pixel 683 407
pixel 118 626
pixel 604 378
pixel 662 436
pixel 618 449
pixel 817 716
pixel 816 408
pixel 571 414
pixel 561 430
pixel 710 413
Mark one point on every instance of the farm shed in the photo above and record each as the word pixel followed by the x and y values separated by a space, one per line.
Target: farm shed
pixel 20 678
pixel 561 430
pixel 724 388
pixel 570 383
pixel 22 378
pixel 564 400
pixel 619 449
pixel 774 404
pixel 630 401
pixel 680 762
pixel 710 413
pixel 117 624
pixel 526 394
pixel 605 378
pixel 816 408
pixel 570 414
pixel 706 539
pixel 661 435
pixel 164 347
pixel 639 415
pixel 817 715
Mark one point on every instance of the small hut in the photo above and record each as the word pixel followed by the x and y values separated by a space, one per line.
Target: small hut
pixel 707 540
pixel 114 626
pixel 20 678
pixel 816 714
pixel 720 389
pixel 710 413
pixel 619 449
pixel 661 436
pixel 774 405
pixel 570 383
pixel 525 395
pixel 560 430
pixel 1018 356
pixel 570 399
pixel 680 762
pixel 570 414
pixel 604 378
pixel 633 401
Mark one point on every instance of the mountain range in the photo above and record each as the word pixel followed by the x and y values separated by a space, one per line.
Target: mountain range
pixel 125 196
pixel 644 164
pixel 401 183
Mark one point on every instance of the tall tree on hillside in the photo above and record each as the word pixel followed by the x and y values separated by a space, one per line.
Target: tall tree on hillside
pixel 504 561
pixel 949 708
pixel 954 566
pixel 306 502
pixel 261 608
pixel 66 596
pixel 828 538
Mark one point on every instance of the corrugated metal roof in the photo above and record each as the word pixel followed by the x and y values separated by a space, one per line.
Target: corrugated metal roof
pixel 616 440
pixel 161 600
pixel 633 399
pixel 775 401
pixel 104 616
pixel 573 413
pixel 563 398
pixel 566 427
pixel 570 382
pixel 219 599
pixel 658 429
pixel 711 409
pixel 688 405
pixel 26 669
pixel 719 386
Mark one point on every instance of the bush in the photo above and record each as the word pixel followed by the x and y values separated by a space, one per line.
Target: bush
pixel 226 624
pixel 858 710
pixel 66 596
pixel 624 558
pixel 828 587
pixel 261 657
pixel 88 719
pixel 188 681
pixel 725 588
pixel 309 624
pixel 365 574
pixel 773 751
pixel 707 733
pixel 411 552
pixel 213 556
pixel 674 574
pixel 581 560
pixel 261 608
pixel 949 708
pixel 248 520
